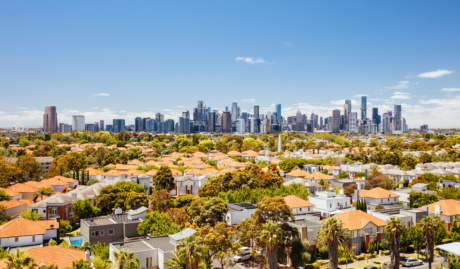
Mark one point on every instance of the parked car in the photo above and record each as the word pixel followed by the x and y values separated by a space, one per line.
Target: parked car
pixel 411 262
pixel 371 267
pixel 244 254
pixel 386 265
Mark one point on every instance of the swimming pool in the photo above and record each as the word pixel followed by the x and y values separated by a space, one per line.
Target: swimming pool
pixel 75 240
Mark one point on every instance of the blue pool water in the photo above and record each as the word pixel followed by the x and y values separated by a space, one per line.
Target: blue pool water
pixel 75 240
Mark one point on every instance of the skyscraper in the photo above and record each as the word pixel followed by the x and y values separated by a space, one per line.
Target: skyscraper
pixel 256 112
pixel 346 113
pixel 398 124
pixel 363 107
pixel 101 125
pixel 50 119
pixel 398 112
pixel 211 121
pixel 78 122
pixel 138 124
pixel 353 122
pixel 119 125
pixel 375 115
pixel 234 111
pixel 278 112
pixel 226 122
pixel 335 121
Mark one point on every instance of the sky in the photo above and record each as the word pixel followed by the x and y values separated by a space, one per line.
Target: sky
pixel 123 59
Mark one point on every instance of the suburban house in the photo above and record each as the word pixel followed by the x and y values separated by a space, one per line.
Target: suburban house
pixel 23 232
pixel 363 227
pixel 312 187
pixel 308 229
pixel 57 205
pixel 298 205
pixel 151 251
pixel 112 228
pixel 409 216
pixel 238 212
pixel 330 203
pixel 404 192
pixel 188 185
pixel 14 207
pixel 448 210
pixel 62 257
pixel 378 196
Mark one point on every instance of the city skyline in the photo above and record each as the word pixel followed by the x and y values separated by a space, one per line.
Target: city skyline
pixel 159 58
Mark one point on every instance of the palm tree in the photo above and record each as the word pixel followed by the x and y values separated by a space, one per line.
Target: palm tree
pixel 126 260
pixel 19 261
pixel 429 226
pixel 178 259
pixel 332 235
pixel 271 236
pixel 394 229
pixel 189 254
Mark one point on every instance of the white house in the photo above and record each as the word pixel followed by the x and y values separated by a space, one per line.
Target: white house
pixel 379 196
pixel 23 232
pixel 238 212
pixel 188 185
pixel 298 205
pixel 330 203
pixel 151 251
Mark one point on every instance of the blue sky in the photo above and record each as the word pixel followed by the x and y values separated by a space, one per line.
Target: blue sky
pixel 109 59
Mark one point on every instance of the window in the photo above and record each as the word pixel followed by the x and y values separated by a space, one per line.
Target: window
pixel 53 213
pixel 33 238
pixel 111 231
pixel 16 239
pixel 102 233
pixel 94 233
pixel 330 205
pixel 44 211
pixel 300 209
pixel 35 210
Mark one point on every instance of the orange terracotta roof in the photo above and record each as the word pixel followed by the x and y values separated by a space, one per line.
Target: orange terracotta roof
pixel 358 179
pixel 94 172
pixel 295 202
pixel 298 173
pixel 234 153
pixel 319 176
pixel 356 220
pixel 196 172
pixel 176 172
pixel 449 207
pixel 13 203
pixel 134 173
pixel 136 162
pixel 227 170
pixel 151 172
pixel 199 155
pixel 57 255
pixel 113 173
pixel 249 153
pixel 377 193
pixel 24 227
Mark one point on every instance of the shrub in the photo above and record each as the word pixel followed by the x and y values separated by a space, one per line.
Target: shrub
pixel 360 258
pixel 312 266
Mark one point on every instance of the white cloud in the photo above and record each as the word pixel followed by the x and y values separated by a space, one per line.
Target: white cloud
pixel 250 100
pixel 360 95
pixel 401 85
pixel 435 74
pixel 287 44
pixel 450 89
pixel 400 95
pixel 100 94
pixel 250 60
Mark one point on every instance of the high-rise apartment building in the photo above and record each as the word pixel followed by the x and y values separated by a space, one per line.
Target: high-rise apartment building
pixel 101 125
pixel 278 113
pixel 226 122
pixel 386 123
pixel 363 107
pixel 353 122
pixel 375 115
pixel 138 124
pixel 65 128
pixel 119 125
pixel 336 121
pixel 211 121
pixel 240 126
pixel 78 122
pixel 50 119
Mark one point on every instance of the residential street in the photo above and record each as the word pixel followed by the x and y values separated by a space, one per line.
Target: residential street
pixel 380 260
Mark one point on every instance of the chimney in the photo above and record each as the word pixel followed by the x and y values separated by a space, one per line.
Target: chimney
pixel 437 210
pixel 88 256
pixel 58 237
pixel 118 211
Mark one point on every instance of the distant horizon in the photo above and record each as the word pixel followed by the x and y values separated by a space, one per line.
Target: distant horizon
pixel 109 59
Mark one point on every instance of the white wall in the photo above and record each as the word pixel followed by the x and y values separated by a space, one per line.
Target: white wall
pixel 50 234
pixel 22 241
pixel 301 210
pixel 234 217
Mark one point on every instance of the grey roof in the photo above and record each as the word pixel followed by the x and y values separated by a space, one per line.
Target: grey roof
pixel 182 234
pixel 110 219
pixel 241 206
pixel 53 199
pixel 453 248
pixel 419 185
pixel 137 211
pixel 158 242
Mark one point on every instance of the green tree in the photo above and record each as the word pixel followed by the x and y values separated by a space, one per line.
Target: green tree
pixel 30 215
pixel 160 200
pixel 156 223
pixel 299 252
pixel 125 260
pixel 428 226
pixel 83 209
pixel 31 169
pixel 19 261
pixel 45 192
pixel 220 244
pixel 64 228
pixel 211 211
pixel 332 235
pixel 4 196
pixel 271 237
pixel 419 199
pixel 416 237
pixel 163 179
pixel 394 229
pixel 273 209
